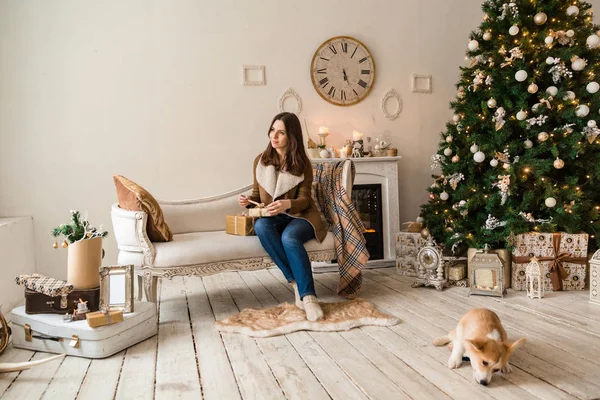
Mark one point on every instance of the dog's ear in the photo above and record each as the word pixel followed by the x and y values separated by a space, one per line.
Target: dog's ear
pixel 511 347
pixel 475 345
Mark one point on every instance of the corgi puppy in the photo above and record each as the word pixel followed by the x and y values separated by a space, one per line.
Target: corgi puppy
pixel 480 336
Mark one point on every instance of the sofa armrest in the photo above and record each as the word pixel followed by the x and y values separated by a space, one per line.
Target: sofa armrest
pixel 129 228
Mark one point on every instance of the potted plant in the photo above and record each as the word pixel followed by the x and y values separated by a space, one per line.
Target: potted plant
pixel 85 253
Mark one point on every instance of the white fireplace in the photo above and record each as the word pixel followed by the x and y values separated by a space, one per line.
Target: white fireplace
pixel 382 171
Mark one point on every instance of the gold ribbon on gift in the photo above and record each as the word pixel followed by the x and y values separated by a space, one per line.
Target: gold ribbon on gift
pixel 413 227
pixel 557 270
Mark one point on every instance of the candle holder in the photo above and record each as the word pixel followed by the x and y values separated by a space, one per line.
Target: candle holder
pixel 358 150
pixel 322 137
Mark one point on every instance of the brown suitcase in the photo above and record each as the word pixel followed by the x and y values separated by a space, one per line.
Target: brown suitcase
pixel 38 303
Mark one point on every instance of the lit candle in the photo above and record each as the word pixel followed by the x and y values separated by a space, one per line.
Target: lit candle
pixel 357 135
pixel 323 129
pixel 344 152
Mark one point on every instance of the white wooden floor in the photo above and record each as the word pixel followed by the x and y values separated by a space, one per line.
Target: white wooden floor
pixel 190 359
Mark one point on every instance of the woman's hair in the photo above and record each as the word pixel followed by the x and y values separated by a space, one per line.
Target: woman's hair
pixel 295 158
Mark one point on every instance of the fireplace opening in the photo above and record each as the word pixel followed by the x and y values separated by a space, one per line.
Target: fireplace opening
pixel 367 201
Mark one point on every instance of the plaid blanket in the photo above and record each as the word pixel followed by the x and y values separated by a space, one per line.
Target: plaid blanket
pixel 343 220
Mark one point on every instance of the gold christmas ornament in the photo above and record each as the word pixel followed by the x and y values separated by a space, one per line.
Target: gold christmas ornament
pixel 55 245
pixel 558 163
pixel 425 233
pixel 542 136
pixel 533 88
pixel 455 159
pixel 540 18
pixel 65 244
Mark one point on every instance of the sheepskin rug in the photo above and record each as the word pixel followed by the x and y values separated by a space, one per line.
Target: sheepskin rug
pixel 287 318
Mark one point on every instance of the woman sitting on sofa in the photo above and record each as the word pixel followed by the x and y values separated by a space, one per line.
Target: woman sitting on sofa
pixel 283 178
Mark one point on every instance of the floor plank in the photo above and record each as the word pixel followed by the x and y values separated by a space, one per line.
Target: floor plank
pixel 68 379
pixel 253 375
pixel 292 374
pixel 138 372
pixel 176 370
pixel 32 383
pixel 102 376
pixel 11 355
pixel 217 379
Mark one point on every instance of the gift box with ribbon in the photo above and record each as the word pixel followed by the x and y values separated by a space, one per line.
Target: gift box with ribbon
pixel 562 255
pixel 241 225
pixel 412 226
pixel 101 318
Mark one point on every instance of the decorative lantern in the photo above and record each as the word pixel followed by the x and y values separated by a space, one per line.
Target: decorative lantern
pixel 487 274
pixel 534 275
pixel 430 271
pixel 595 278
pixel 4 332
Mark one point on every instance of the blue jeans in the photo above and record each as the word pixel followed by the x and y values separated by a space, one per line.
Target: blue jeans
pixel 283 237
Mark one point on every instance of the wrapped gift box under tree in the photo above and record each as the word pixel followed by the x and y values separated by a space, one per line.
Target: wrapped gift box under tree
pixel 562 255
pixel 408 245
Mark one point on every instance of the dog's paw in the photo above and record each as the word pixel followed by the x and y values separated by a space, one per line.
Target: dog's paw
pixel 454 362
pixel 506 369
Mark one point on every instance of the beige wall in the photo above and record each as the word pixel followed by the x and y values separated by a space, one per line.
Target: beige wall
pixel 152 90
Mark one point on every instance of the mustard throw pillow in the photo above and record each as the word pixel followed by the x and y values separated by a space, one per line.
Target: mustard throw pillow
pixel 135 198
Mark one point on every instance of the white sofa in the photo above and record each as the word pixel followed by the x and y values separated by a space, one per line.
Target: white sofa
pixel 200 245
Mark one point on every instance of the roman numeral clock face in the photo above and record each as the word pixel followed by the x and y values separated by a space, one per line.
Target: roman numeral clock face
pixel 343 71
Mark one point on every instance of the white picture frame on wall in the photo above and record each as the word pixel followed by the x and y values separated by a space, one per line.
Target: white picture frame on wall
pixel 253 75
pixel 421 83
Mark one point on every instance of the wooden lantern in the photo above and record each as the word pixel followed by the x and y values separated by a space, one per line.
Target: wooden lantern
pixel 534 278
pixel 487 274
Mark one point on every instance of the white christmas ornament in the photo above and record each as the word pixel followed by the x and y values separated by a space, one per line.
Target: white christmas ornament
pixel 570 33
pixel 448 152
pixel 462 203
pixel 592 87
pixel 456 118
pixel 582 110
pixel 533 88
pixel 487 36
pixel 479 157
pixel 473 45
pixel 444 196
pixel 455 159
pixel 552 90
pixel 492 103
pixel 593 41
pixel 513 30
pixel 591 123
pixel 449 139
pixel 540 18
pixel 550 60
pixel 535 107
pixel 528 144
pixel 573 11
pixel 474 148
pixel 494 162
pixel 521 115
pixel 569 95
pixel 550 202
pixel 521 75
pixel 549 40
pixel 578 64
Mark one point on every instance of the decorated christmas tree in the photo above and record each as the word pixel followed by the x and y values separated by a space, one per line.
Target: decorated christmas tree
pixel 521 152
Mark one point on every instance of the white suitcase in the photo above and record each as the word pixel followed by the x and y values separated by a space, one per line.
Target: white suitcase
pixel 48 332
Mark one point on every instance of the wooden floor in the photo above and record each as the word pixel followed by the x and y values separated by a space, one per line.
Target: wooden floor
pixel 190 359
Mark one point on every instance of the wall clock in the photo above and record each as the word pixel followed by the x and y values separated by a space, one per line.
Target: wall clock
pixel 343 71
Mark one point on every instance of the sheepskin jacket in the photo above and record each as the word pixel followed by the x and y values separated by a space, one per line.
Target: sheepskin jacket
pixel 271 185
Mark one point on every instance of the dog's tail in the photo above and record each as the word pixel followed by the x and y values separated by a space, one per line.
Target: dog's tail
pixel 441 341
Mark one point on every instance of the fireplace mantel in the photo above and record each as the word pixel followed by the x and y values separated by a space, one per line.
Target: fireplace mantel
pixel 384 171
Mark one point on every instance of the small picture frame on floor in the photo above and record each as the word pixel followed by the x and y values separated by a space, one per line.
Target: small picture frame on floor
pixel 116 288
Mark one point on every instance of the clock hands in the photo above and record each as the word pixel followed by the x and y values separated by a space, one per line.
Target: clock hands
pixel 345 76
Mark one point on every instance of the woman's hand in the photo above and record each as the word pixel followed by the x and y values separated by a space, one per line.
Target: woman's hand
pixel 243 200
pixel 279 206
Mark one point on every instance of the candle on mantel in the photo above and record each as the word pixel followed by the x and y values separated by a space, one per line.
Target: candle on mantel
pixel 344 152
pixel 323 129
pixel 357 135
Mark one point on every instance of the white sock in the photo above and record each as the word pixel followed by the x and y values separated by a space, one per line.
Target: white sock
pixel 299 302
pixel 312 307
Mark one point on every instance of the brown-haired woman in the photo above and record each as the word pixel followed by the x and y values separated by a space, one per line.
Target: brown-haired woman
pixel 283 181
